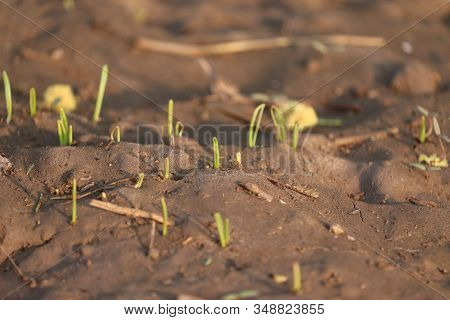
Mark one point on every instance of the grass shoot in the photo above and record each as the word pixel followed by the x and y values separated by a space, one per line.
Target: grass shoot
pixel 255 122
pixel 116 133
pixel 166 168
pixel 32 102
pixel 101 93
pixel 295 134
pixel 8 96
pixel 216 163
pixel 296 278
pixel 170 118
pixel 279 122
pixel 74 201
pixel 65 131
pixel 179 128
pixel 139 181
pixel 223 229
pixel 165 216
pixel 423 130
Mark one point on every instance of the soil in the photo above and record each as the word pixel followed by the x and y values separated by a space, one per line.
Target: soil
pixel 378 230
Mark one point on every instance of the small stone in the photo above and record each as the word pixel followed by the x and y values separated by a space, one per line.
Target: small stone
pixel 407 47
pixel 154 254
pixel 336 229
pixel 416 79
pixel 87 251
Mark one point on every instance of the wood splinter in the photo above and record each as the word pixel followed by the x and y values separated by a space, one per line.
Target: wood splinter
pixel 254 189
pixel 378 135
pixel 129 212
pixel 299 189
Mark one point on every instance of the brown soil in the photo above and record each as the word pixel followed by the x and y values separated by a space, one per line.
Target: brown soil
pixel 395 218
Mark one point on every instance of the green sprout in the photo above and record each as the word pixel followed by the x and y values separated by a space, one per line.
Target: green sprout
pixel 101 93
pixel 423 130
pixel 179 128
pixel 140 180
pixel 223 229
pixel 32 102
pixel 8 96
pixel 74 201
pixel 279 122
pixel 170 118
pixel 166 168
pixel 116 132
pixel 296 278
pixel 216 163
pixel 165 216
pixel 65 131
pixel 295 134
pixel 254 125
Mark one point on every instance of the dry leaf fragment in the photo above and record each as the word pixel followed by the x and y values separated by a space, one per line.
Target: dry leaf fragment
pixel 337 229
pixel 60 96
pixel 253 188
pixel 5 165
pixel 279 278
pixel 433 160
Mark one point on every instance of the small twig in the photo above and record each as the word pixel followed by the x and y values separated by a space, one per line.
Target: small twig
pixel 253 188
pixel 299 189
pixel 420 202
pixel 19 272
pixel 193 50
pixel 38 206
pixel 152 239
pixel 382 134
pixel 107 186
pixel 129 212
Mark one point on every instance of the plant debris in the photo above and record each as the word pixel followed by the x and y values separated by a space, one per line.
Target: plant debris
pixel 433 160
pixel 424 203
pixel 299 189
pixel 130 212
pixel 5 165
pixel 253 188
pixel 337 229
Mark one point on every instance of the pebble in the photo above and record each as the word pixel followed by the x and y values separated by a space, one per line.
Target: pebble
pixel 87 251
pixel 416 78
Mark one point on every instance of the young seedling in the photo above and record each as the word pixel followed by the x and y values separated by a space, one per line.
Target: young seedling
pixel 255 122
pixel 279 122
pixel 32 102
pixel 238 158
pixel 165 216
pixel 223 229
pixel 179 128
pixel 140 180
pixel 116 132
pixel 166 168
pixel 65 131
pixel 8 97
pixel 216 163
pixel 295 134
pixel 296 278
pixel 423 130
pixel 74 201
pixel 101 93
pixel 170 118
